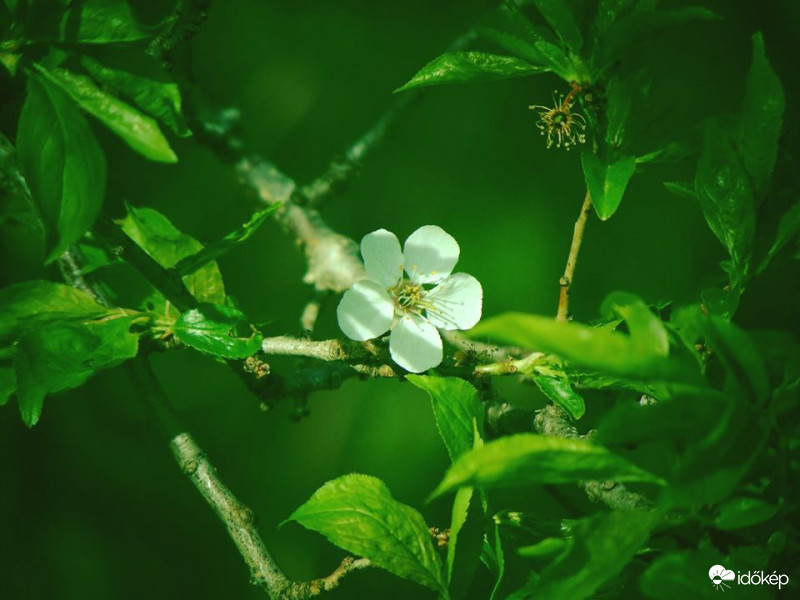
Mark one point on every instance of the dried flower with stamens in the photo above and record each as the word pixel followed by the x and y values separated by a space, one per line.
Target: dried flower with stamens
pixel 559 123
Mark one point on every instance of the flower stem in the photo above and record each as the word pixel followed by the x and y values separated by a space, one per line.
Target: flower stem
pixel 572 259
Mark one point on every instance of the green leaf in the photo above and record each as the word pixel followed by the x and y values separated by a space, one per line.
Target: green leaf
pixel 62 356
pixel 677 575
pixel 682 189
pixel 723 187
pixel 736 513
pixel 358 514
pixel 554 384
pixel 191 263
pixel 603 544
pixel 218 330
pixel 62 163
pixel 455 406
pixel 788 227
pixel 547 547
pixel 157 236
pixel 35 303
pixel 762 117
pixel 606 182
pixel 465 542
pixel 609 12
pixel 558 14
pixel 85 22
pixel 8 383
pixel 462 67
pixel 158 99
pixel 140 132
pixel 646 330
pixel 511 30
pixel 597 348
pixel 639 26
pixel 528 458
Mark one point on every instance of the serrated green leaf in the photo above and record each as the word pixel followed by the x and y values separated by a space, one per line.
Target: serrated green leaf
pixel 463 67
pixel 788 227
pixel 597 348
pixel 36 303
pixel 455 406
pixel 157 236
pixel 62 164
pixel 639 26
pixel 606 182
pixel 358 514
pixel 558 14
pixel 554 384
pixel 528 458
pixel 190 264
pixel 511 30
pixel 736 513
pixel 62 356
pixel 139 131
pixel 602 545
pixel 723 187
pixel 218 330
pixel 158 99
pixel 762 117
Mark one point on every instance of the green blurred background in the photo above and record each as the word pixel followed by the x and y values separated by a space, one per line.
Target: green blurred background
pixel 92 504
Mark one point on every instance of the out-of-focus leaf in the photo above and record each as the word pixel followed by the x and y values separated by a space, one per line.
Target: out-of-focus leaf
pixel 723 187
pixel 547 547
pixel 139 131
pixel 30 304
pixel 158 99
pixel 602 545
pixel 619 94
pixel 554 384
pixel 511 30
pixel 646 330
pixel 84 22
pixel 358 514
pixel 559 15
pixel 597 348
pixel 462 67
pixel 62 356
pixel 762 117
pixel 190 264
pixel 530 458
pixel 682 189
pixel 606 182
pixel 736 513
pixel 609 12
pixel 639 26
pixel 455 406
pixel 157 236
pixel 677 575
pixel 8 383
pixel 788 227
pixel 62 164
pixel 218 330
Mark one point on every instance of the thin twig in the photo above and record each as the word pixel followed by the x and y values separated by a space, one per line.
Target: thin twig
pixel 553 421
pixel 572 259
pixel 185 22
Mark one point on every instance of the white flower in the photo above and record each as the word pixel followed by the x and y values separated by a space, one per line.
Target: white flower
pixel 431 298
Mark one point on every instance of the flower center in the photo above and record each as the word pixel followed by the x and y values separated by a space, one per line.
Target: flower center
pixel 407 295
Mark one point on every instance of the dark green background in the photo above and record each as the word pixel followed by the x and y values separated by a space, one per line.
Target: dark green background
pixel 91 502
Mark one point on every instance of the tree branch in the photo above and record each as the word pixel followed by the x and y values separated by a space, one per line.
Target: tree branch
pixel 553 421
pixel 185 22
pixel 572 259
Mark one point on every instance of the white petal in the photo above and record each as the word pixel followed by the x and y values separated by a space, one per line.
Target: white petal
pixel 430 253
pixel 456 302
pixel 415 344
pixel 366 311
pixel 383 259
